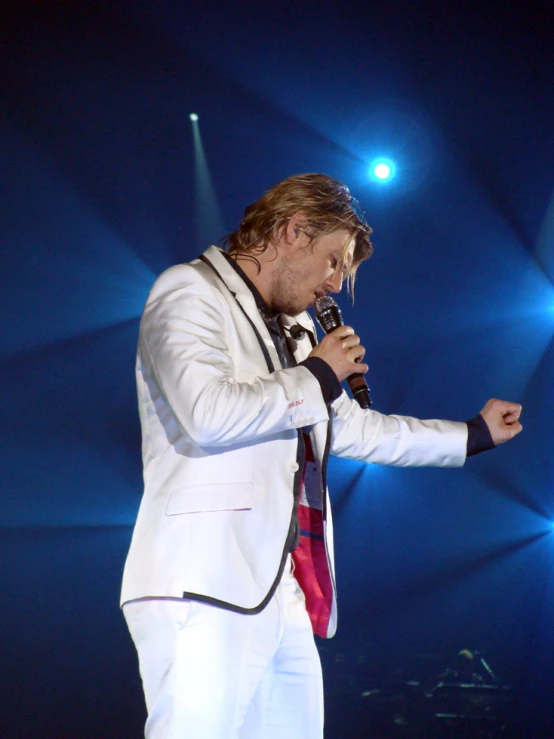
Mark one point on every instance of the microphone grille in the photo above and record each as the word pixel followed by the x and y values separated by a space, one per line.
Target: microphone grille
pixel 327 313
pixel 323 304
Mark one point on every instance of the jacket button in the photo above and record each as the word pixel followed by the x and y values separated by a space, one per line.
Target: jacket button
pixel 293 466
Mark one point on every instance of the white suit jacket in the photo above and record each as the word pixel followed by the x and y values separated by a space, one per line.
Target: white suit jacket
pixel 220 436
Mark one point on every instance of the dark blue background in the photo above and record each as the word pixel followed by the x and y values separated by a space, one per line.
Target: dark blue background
pixel 98 195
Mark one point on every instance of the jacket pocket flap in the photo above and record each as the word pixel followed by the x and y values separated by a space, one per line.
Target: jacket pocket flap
pixel 206 498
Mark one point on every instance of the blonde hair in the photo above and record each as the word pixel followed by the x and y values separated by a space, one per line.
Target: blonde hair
pixel 325 202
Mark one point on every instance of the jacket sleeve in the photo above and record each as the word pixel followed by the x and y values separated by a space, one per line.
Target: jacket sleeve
pixel 184 344
pixel 395 440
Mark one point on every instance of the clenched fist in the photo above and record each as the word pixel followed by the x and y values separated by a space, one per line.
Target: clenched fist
pixel 502 418
pixel 342 351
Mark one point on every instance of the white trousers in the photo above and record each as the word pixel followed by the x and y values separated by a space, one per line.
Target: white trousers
pixel 208 673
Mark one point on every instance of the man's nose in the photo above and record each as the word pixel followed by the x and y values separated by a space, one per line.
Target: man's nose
pixel 334 282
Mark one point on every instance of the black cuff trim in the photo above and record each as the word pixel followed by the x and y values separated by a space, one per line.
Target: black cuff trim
pixel 329 382
pixel 479 437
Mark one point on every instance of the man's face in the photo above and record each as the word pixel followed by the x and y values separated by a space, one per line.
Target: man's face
pixel 309 271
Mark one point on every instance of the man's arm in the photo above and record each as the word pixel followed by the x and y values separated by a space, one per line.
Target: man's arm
pixel 405 441
pixel 396 440
pixel 401 440
pixel 184 343
pixel 409 442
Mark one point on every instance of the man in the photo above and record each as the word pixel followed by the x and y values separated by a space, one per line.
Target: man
pixel 230 570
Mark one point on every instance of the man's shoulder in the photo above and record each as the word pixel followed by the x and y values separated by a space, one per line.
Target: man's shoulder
pixel 177 273
pixel 194 273
pixel 183 289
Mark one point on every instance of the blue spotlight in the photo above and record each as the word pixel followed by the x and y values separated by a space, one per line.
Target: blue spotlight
pixel 382 170
pixel 193 117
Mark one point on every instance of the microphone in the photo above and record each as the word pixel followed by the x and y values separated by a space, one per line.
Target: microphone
pixel 329 317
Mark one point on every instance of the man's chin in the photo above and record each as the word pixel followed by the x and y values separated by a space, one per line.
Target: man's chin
pixel 300 308
pixel 292 309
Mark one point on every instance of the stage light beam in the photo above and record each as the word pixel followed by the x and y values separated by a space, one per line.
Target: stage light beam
pixel 209 219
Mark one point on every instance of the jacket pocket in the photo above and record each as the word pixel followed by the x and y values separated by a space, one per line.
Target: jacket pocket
pixel 206 498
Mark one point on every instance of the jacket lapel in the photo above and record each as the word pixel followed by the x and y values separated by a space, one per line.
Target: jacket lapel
pixel 303 347
pixel 244 297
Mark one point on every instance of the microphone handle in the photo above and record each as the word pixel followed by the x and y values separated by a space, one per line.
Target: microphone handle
pixel 359 389
pixel 330 319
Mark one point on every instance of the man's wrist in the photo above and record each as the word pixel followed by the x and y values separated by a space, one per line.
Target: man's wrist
pixel 328 381
pixel 479 437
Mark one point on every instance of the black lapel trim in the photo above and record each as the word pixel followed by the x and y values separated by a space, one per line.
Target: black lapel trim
pixel 291 535
pixel 325 460
pixel 324 486
pixel 263 347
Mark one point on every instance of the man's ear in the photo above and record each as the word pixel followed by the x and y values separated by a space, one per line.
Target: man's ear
pixel 294 228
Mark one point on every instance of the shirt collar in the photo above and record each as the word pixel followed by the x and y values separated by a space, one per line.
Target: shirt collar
pixel 263 307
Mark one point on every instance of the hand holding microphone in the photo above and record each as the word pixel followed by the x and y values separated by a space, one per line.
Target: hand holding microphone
pixel 341 349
